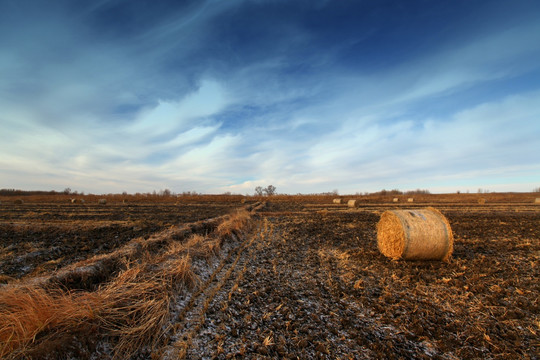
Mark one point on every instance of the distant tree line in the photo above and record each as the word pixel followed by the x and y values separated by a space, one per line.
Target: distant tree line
pixel 15 192
pixel 399 192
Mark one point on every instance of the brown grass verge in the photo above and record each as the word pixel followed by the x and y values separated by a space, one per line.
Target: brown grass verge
pixel 131 309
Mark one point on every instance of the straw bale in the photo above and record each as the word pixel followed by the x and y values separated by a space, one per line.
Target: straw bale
pixel 537 201
pixel 410 200
pixel 481 201
pixel 423 234
pixel 73 201
pixel 351 203
pixel 395 199
pixel 337 201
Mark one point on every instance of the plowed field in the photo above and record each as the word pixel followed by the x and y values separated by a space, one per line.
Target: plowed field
pixel 308 282
pixel 38 238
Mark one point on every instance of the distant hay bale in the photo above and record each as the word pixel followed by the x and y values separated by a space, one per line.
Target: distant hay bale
pixel 423 234
pixel 102 201
pixel 73 201
pixel 410 200
pixel 19 201
pixel 395 199
pixel 351 203
pixel 336 201
pixel 537 201
pixel 481 201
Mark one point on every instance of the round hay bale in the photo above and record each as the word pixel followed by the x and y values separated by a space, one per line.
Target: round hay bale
pixel 395 199
pixel 410 200
pixel 73 201
pixel 351 203
pixel 102 201
pixel 481 201
pixel 422 234
pixel 19 201
pixel 336 201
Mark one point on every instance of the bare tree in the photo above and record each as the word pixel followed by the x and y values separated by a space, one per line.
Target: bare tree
pixel 270 190
pixel 259 191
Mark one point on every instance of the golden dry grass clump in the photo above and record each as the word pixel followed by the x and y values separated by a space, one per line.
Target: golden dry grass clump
pixel 351 203
pixel 133 308
pixel 337 201
pixel 423 234
pixel 233 223
pixel 481 201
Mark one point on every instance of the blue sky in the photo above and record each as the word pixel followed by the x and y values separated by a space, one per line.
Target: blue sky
pixel 310 96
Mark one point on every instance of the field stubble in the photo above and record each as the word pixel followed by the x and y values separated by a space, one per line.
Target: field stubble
pixel 309 282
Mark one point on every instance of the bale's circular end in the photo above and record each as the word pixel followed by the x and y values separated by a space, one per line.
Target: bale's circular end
pixel 423 234
pixel 390 236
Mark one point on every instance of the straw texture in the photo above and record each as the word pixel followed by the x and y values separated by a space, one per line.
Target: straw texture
pixel 423 234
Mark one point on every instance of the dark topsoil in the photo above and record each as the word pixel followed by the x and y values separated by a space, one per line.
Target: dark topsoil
pixel 39 238
pixel 315 285
pixel 319 288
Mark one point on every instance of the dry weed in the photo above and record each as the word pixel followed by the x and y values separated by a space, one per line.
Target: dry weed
pixel 233 224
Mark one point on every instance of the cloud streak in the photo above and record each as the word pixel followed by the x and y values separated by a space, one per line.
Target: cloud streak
pixel 224 96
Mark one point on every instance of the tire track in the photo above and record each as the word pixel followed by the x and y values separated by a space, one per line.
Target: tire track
pixel 190 320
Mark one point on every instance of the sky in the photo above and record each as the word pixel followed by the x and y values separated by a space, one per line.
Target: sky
pixel 310 96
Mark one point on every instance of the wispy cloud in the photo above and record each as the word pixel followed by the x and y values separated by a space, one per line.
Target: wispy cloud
pixel 225 96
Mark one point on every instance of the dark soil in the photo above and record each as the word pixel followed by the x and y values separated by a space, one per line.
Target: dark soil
pixel 319 288
pixel 310 283
pixel 39 238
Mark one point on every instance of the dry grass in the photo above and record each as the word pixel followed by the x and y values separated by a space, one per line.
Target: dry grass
pixel 137 303
pixel 233 224
pixel 132 309
pixel 27 312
